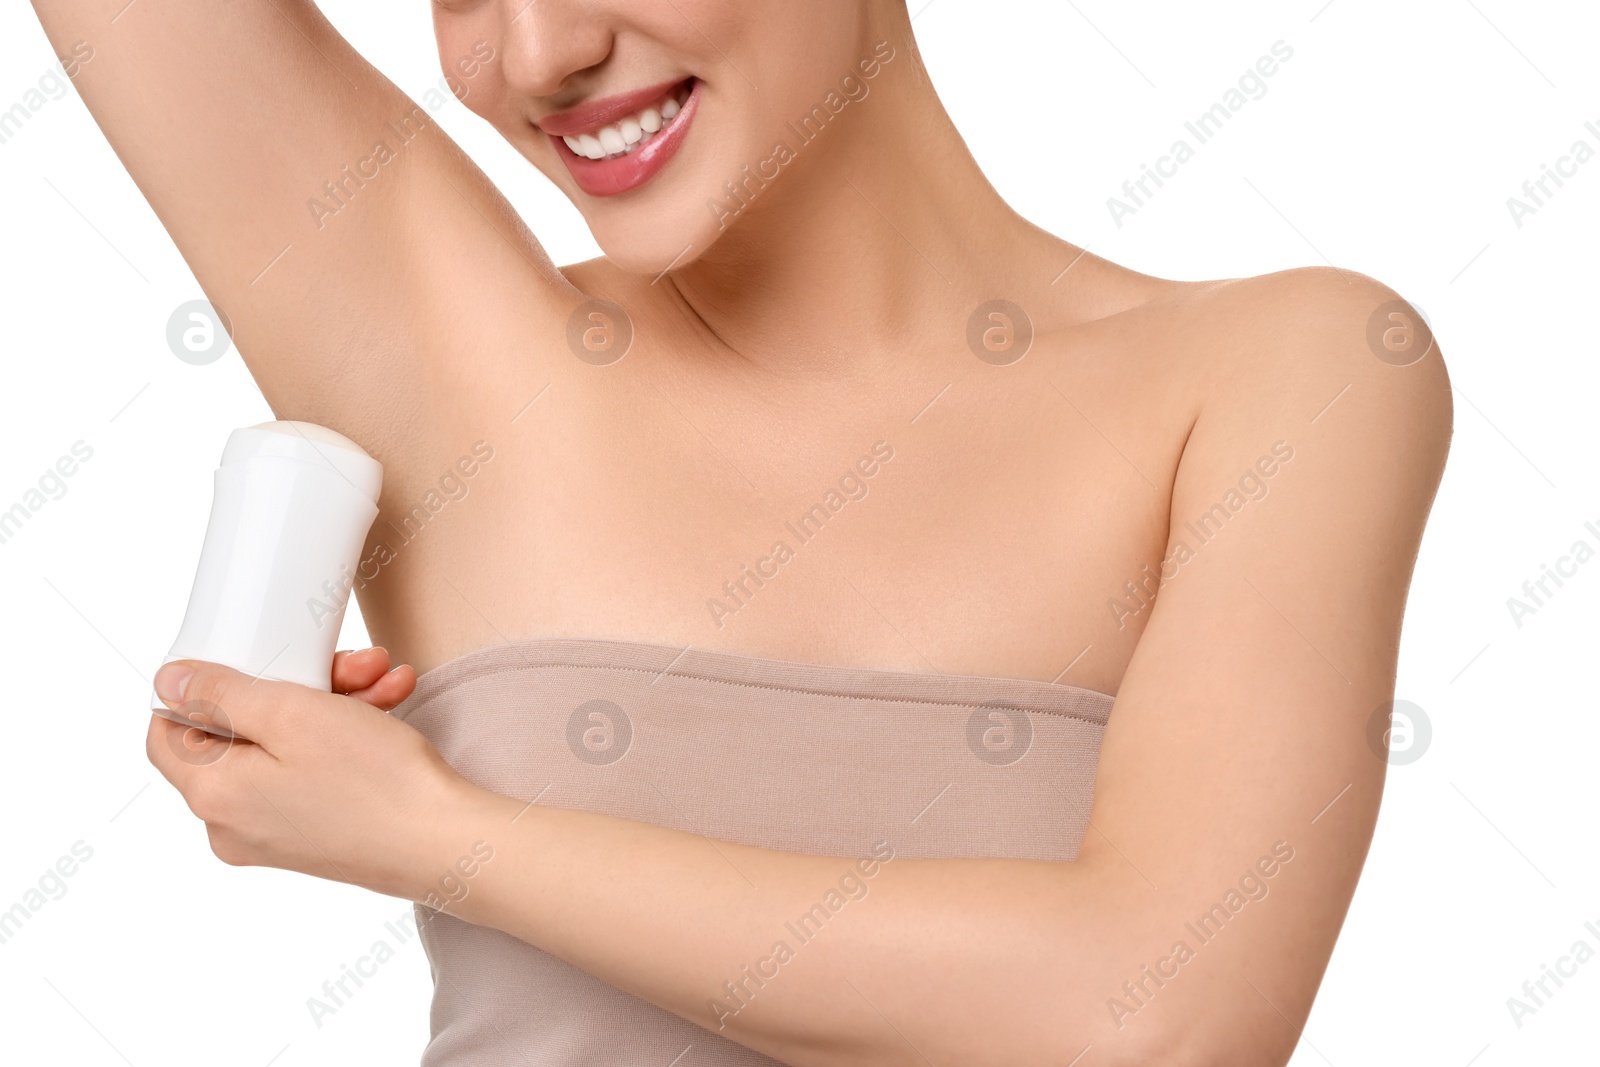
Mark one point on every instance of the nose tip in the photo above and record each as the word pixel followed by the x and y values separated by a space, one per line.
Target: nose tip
pixel 547 42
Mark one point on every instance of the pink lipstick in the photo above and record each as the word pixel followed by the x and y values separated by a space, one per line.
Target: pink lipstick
pixel 619 143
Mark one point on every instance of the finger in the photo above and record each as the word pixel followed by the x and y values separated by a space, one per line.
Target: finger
pixel 161 746
pixel 357 670
pixel 231 702
pixel 197 763
pixel 174 748
pixel 391 689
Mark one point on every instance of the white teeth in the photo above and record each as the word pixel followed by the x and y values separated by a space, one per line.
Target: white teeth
pixel 630 134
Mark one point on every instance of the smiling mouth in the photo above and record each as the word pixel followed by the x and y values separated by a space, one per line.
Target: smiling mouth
pixel 632 132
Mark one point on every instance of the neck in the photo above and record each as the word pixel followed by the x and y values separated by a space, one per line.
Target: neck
pixel 876 238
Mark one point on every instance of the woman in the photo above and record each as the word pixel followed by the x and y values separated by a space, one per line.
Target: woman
pixel 772 576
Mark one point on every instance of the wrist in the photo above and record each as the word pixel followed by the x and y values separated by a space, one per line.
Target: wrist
pixel 470 831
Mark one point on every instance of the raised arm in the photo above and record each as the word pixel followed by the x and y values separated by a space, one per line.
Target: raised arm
pixel 356 250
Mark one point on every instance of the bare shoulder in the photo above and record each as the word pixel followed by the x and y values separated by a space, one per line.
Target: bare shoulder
pixel 1314 324
pixel 1320 349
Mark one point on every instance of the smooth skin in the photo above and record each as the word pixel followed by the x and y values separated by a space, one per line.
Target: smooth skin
pixel 769 353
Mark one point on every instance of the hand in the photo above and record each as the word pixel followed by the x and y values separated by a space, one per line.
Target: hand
pixel 322 783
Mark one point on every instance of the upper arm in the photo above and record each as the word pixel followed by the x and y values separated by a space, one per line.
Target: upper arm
pixel 1245 711
pixel 354 248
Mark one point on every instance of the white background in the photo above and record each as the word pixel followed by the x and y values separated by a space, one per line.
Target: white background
pixel 1389 144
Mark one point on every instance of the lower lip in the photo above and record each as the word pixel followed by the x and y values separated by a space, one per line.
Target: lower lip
pixel 611 177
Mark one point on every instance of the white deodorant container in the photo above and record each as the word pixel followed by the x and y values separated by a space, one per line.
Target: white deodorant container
pixel 289 518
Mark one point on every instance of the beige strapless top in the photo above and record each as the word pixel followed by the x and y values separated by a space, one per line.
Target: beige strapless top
pixel 790 756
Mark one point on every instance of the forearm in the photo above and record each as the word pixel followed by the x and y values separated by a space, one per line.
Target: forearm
pixel 813 960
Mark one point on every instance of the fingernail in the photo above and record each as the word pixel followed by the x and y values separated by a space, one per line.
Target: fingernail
pixel 171 681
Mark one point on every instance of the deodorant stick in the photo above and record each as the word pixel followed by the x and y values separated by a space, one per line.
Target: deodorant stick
pixel 292 506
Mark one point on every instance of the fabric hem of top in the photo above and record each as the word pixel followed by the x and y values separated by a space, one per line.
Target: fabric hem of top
pixel 737 669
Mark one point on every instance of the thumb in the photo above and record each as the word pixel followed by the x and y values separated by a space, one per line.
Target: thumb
pixel 228 702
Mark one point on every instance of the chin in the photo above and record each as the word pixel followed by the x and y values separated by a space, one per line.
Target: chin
pixel 665 227
pixel 651 255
